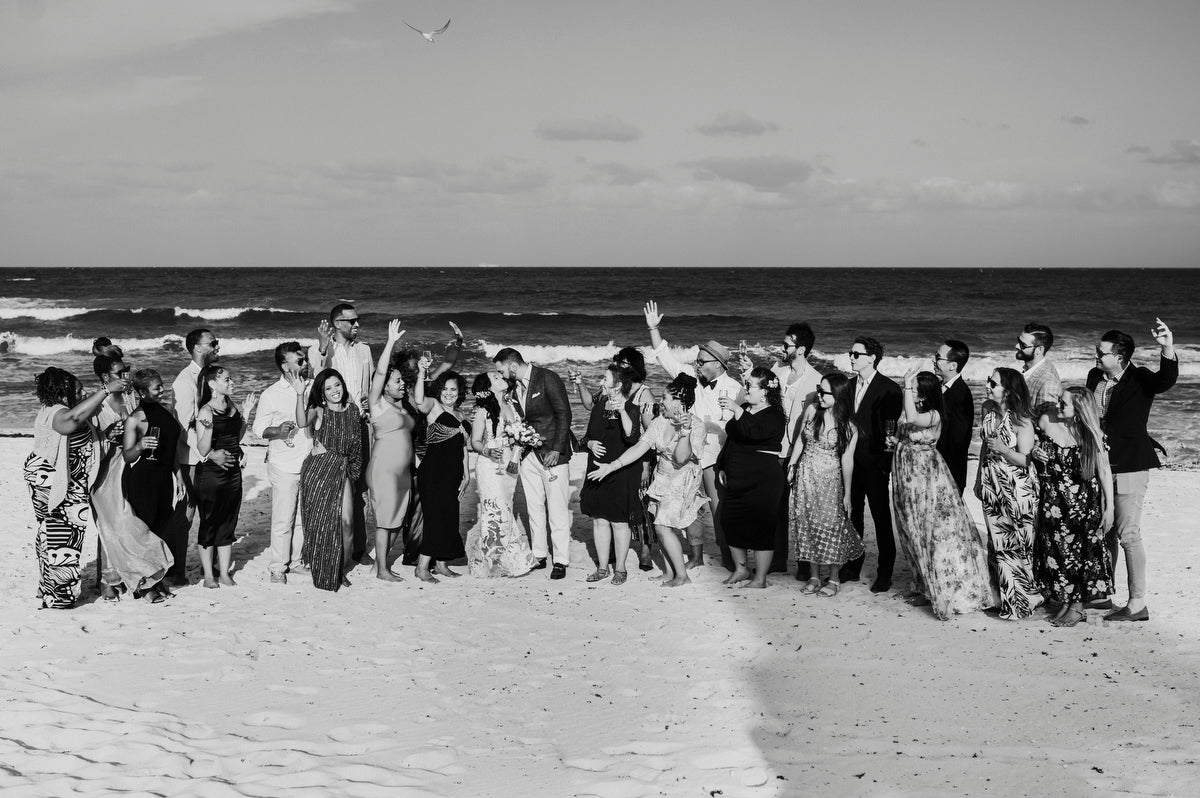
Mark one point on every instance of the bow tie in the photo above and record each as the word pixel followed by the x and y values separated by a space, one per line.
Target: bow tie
pixel 705 382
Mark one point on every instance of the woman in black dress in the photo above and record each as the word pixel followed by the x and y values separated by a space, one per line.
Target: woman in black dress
pixel 150 478
pixel 219 425
pixel 442 476
pixel 754 482
pixel 614 426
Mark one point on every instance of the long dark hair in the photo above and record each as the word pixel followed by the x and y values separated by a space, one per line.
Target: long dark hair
pixel 204 391
pixel 481 390
pixel 842 410
pixel 1016 393
pixel 929 391
pixel 316 396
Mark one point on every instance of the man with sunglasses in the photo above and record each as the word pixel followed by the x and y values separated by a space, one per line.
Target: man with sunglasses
pixel 338 348
pixel 1124 395
pixel 711 369
pixel 958 416
pixel 1032 347
pixel 877 401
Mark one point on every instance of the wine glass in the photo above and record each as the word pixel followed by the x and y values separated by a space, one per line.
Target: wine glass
pixel 152 432
pixel 889 443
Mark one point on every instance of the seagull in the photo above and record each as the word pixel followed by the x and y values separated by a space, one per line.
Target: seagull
pixel 429 36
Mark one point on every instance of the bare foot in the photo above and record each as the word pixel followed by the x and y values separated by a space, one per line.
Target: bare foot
pixel 226 579
pixel 682 579
pixel 756 584
pixel 658 577
pixel 442 570
pixel 208 582
pixel 690 564
pixel 388 576
pixel 426 576
pixel 740 575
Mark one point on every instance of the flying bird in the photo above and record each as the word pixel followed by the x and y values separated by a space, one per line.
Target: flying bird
pixel 428 36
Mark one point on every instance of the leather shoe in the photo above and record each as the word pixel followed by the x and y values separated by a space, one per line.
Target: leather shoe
pixel 1099 604
pixel 881 586
pixel 559 571
pixel 1124 614
pixel 539 565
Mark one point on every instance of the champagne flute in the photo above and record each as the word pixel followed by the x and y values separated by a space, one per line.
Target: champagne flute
pixel 889 442
pixel 152 452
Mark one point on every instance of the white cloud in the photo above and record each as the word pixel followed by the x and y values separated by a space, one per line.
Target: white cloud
pixel 1183 196
pixel 1182 153
pixel 736 123
pixel 605 128
pixel 762 173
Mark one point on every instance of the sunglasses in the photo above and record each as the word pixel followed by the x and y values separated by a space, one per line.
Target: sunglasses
pixel 854 354
pixel 992 383
pixel 350 321
pixel 1023 346
pixel 823 392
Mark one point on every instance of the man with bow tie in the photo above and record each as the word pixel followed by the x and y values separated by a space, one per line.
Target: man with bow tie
pixel 711 369
pixel 540 399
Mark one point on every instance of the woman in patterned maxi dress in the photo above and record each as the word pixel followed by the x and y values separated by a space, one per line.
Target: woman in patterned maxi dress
pixel 1006 486
pixel 333 465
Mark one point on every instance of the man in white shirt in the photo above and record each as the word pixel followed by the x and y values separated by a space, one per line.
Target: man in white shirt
pixel 338 348
pixel 204 349
pixel 1032 347
pixel 710 368
pixel 287 446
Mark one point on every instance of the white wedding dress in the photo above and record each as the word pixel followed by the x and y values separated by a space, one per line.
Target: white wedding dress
pixel 497 545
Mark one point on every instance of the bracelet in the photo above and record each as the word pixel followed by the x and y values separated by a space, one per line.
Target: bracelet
pixel 655 327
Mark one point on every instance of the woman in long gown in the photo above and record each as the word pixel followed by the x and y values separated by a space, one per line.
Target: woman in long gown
pixel 676 495
pixel 389 474
pixel 331 468
pixel 749 469
pixel 443 474
pixel 820 468
pixel 943 547
pixel 613 426
pixel 220 424
pixel 1076 508
pixel 497 544
pixel 132 558
pixel 1007 488
pixel 59 472
pixel 152 485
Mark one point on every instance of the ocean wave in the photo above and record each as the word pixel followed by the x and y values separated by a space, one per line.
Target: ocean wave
pixel 224 314
pixel 46 311
pixel 42 313
pixel 35 346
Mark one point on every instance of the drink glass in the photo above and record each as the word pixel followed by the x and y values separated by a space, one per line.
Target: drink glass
pixel 889 443
pixel 153 432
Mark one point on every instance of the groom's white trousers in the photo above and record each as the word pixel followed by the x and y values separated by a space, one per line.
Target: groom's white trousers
pixel 545 498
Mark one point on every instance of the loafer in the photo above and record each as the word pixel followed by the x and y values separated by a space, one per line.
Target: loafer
pixel 279 579
pixel 1124 614
pixel 1099 604
pixel 559 571
pixel 541 563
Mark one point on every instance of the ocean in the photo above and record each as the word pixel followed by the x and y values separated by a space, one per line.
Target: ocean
pixel 579 317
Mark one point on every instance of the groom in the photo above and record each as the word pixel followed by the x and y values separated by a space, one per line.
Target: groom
pixel 540 399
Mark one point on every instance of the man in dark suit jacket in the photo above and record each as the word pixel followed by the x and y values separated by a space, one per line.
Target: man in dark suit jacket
pixel 1124 394
pixel 540 398
pixel 877 400
pixel 958 417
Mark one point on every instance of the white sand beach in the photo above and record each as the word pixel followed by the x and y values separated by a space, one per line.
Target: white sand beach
pixel 529 687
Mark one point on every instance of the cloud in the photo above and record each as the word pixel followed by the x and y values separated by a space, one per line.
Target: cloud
pixel 736 123
pixel 619 174
pixel 1137 149
pixel 1077 120
pixel 1182 153
pixel 921 143
pixel 595 129
pixel 762 173
pixel 64 34
pixel 1177 195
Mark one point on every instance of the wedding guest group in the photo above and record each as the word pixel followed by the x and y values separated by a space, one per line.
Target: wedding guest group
pixel 782 463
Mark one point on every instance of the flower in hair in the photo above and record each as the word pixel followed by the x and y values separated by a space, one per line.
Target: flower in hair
pixel 773 383
pixel 482 394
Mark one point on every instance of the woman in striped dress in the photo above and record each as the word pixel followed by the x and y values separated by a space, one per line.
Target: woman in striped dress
pixel 334 464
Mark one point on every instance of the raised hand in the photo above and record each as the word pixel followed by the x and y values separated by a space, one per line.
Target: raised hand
pixel 1162 334
pixel 324 334
pixel 296 382
pixel 248 404
pixel 744 363
pixel 117 385
pixel 653 317
pixel 910 376
pixel 394 331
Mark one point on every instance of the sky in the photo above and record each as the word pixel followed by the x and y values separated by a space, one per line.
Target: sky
pixel 547 133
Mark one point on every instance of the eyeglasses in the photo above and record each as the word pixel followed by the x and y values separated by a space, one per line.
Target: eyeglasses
pixel 992 383
pixel 854 354
pixel 938 358
pixel 350 321
pixel 700 362
pixel 1101 354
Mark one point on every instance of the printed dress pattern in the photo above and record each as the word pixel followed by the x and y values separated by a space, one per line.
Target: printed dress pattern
pixel 1010 509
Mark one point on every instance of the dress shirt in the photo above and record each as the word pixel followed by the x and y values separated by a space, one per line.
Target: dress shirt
pixel 708 399
pixel 861 389
pixel 277 405
pixel 953 378
pixel 184 389
pixel 354 363
pixel 1104 389
pixel 796 396
pixel 1043 383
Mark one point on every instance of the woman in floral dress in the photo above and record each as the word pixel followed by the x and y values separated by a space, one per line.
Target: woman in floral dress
pixel 1006 486
pixel 947 556
pixel 1076 509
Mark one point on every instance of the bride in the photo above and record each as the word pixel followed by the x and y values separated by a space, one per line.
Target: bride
pixel 496 545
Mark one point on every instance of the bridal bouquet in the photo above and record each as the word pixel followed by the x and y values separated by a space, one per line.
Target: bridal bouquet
pixel 519 435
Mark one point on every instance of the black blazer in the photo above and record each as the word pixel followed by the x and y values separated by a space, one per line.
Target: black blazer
pixel 1130 445
pixel 958 420
pixel 882 402
pixel 548 410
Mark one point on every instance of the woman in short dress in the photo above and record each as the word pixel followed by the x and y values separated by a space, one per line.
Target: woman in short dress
pixel 220 424
pixel 820 469
pixel 389 474
pixel 1076 507
pixel 676 494
pixel 59 472
pixel 1006 486
pixel 947 556
pixel 749 469
pixel 443 475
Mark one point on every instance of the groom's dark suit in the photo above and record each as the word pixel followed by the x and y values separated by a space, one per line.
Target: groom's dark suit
pixel 548 410
pixel 541 399
pixel 958 419
pixel 872 464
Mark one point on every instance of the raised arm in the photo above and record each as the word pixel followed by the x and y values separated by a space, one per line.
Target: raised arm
pixel 910 414
pixel 659 346
pixel 1168 367
pixel 305 416
pixel 67 421
pixel 379 377
pixel 450 358
pixel 318 356
pixel 420 401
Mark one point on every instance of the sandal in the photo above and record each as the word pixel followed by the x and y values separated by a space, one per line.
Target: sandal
pixel 830 589
pixel 619 577
pixel 598 574
pixel 109 593
pixel 811 586
pixel 1072 618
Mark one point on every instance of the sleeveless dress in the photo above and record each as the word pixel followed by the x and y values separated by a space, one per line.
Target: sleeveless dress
pixel 1010 509
pixel 323 481
pixel 388 475
pixel 944 549
pixel 754 482
pixel 1069 556
pixel 150 484
pixel 614 498
pixel 497 545
pixel 60 529
pixel 676 492
pixel 219 490
pixel 820 528
pixel 438 478
pixel 133 556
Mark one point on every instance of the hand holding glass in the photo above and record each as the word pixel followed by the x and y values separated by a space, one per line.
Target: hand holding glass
pixel 890 440
pixel 150 443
